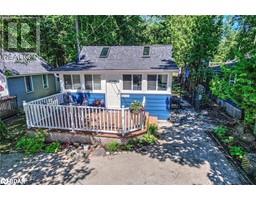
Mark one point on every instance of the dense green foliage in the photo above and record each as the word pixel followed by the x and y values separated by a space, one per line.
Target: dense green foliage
pixel 31 144
pixel 36 143
pixel 238 83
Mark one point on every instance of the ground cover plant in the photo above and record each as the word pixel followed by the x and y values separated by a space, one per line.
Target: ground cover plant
pixel 32 144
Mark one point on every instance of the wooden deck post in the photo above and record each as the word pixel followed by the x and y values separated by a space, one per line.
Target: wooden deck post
pixel 25 107
pixel 123 121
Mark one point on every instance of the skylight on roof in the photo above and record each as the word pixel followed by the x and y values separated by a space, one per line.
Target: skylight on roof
pixel 104 52
pixel 146 51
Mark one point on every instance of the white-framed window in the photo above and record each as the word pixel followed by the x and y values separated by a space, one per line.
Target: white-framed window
pixel 72 81
pixel 92 82
pixel 157 82
pixel 45 81
pixel 28 84
pixel 132 82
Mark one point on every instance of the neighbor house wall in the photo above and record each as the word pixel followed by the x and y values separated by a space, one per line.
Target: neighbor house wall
pixel 17 88
pixel 3 84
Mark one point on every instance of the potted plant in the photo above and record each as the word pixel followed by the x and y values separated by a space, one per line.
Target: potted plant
pixel 136 107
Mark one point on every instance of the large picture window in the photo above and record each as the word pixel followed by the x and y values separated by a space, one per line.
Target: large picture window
pixel 132 82
pixel 92 82
pixel 28 84
pixel 157 82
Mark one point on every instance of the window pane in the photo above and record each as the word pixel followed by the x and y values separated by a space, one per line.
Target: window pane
pixel 45 81
pixel 127 82
pixel 137 78
pixel 104 52
pixel 162 82
pixel 76 82
pixel 152 82
pixel 88 82
pixel 96 82
pixel 146 51
pixel 28 83
pixel 67 82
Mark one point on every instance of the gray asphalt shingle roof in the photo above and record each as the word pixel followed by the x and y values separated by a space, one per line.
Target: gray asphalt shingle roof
pixel 22 63
pixel 123 58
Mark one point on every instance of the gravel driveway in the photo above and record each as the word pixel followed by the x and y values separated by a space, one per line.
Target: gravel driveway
pixel 185 155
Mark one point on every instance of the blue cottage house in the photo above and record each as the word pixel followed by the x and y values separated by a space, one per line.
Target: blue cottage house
pixel 119 75
pixel 26 76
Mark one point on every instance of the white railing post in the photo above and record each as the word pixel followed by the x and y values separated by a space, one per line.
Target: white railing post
pixel 142 117
pixel 72 118
pixel 25 107
pixel 123 121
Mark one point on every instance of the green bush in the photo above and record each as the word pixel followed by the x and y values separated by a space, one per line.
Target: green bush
pixel 220 131
pixel 53 147
pixel 152 129
pixel 237 151
pixel 32 144
pixel 229 140
pixel 148 139
pixel 3 131
pixel 112 146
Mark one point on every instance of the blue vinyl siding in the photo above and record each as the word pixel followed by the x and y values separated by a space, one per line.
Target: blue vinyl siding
pixel 156 104
pixel 91 97
pixel 17 88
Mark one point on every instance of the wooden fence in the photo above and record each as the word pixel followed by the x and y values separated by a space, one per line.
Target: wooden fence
pixel 8 106
pixel 46 113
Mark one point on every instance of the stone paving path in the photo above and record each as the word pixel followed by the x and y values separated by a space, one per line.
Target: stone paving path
pixel 185 155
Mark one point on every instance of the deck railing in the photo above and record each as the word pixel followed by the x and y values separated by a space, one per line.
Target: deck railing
pixel 8 106
pixel 47 113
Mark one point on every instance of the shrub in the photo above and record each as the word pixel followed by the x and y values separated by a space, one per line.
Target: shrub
pixel 229 140
pixel 31 144
pixel 136 107
pixel 237 151
pixel 3 131
pixel 126 147
pixel 148 139
pixel 53 147
pixel 112 146
pixel 152 129
pixel 220 131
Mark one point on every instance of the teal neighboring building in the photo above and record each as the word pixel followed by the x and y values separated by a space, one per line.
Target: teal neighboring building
pixel 27 76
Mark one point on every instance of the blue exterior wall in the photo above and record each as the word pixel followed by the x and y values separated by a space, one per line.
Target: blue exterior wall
pixel 16 86
pixel 91 97
pixel 156 104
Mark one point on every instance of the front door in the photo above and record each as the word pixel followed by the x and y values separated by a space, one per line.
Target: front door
pixel 113 92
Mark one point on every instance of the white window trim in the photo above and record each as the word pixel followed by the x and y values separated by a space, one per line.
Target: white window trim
pixel 157 82
pixel 93 82
pixel 132 82
pixel 47 81
pixel 32 86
